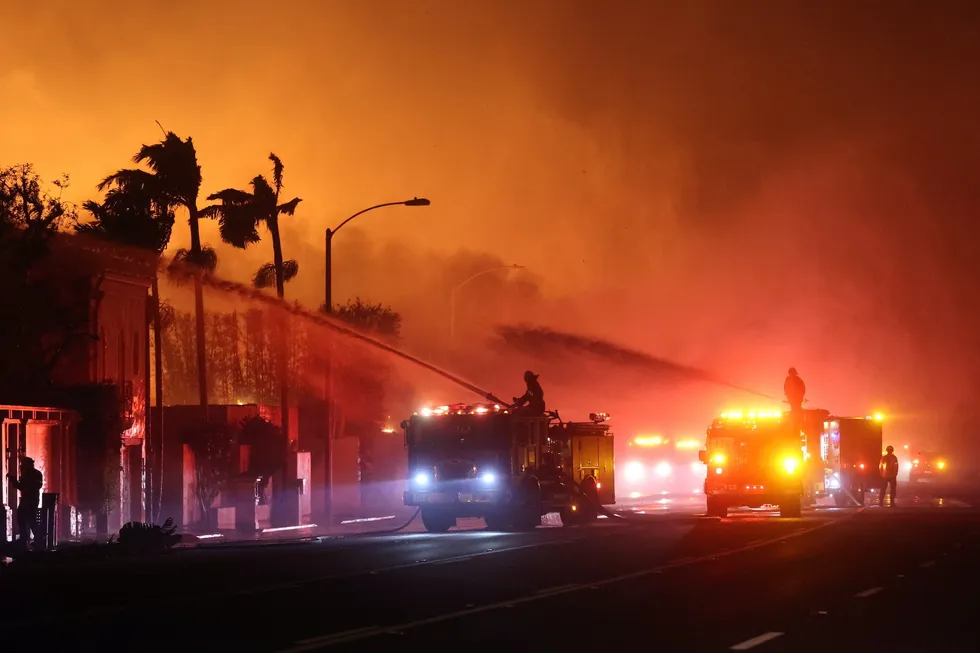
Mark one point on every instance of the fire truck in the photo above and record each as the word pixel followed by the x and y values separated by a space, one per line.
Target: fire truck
pixel 483 460
pixel 789 460
pixel 850 449
pixel 754 459
pixel 658 465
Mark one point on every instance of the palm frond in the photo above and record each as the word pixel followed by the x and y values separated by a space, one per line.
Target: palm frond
pixel 231 196
pixel 238 224
pixel 265 276
pixel 179 269
pixel 211 212
pixel 277 168
pixel 263 194
pixel 289 270
pixel 289 208
pixel 129 179
pixel 208 259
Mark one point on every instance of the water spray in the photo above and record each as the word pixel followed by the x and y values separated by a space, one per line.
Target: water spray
pixel 539 340
pixel 187 271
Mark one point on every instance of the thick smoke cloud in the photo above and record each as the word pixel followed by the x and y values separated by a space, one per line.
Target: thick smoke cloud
pixel 738 190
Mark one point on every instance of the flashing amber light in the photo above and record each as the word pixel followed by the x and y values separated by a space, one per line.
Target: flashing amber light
pixel 941 464
pixel 790 464
pixel 718 458
pixel 916 462
pixel 878 417
pixel 861 466
pixel 687 444
pixel 648 440
pixel 752 414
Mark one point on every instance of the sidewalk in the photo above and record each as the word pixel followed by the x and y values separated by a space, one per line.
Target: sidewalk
pixel 365 525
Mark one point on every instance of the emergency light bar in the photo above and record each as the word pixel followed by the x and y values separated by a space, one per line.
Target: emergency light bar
pixel 752 414
pixel 461 409
pixel 648 440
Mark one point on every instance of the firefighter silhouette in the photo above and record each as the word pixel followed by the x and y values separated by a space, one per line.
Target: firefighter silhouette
pixel 30 483
pixel 532 402
pixel 795 390
pixel 888 469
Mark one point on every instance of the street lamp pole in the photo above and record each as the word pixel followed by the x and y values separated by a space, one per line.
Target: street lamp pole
pixel 328 371
pixel 459 286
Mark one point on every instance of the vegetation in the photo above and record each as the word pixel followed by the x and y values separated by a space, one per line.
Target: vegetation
pixel 242 357
pixel 174 181
pixel 213 447
pixel 43 314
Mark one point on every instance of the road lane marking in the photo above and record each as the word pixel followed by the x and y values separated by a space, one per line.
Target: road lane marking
pixel 293 584
pixel 927 564
pixel 558 591
pixel 868 592
pixel 561 589
pixel 755 641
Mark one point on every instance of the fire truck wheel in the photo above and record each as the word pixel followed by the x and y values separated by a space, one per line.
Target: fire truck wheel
pixel 790 507
pixel 437 521
pixel 716 508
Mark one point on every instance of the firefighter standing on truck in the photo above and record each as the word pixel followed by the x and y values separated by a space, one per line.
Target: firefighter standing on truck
pixel 888 468
pixel 795 390
pixel 533 398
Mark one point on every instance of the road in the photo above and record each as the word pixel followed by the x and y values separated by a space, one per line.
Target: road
pixel 899 579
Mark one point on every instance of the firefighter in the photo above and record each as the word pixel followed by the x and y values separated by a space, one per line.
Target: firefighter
pixel 30 483
pixel 888 468
pixel 533 397
pixel 795 390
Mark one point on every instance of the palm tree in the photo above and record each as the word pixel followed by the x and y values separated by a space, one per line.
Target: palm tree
pixel 133 217
pixel 239 215
pixel 174 180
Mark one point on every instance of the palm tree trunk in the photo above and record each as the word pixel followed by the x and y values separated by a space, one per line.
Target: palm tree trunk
pixel 283 330
pixel 157 423
pixel 202 373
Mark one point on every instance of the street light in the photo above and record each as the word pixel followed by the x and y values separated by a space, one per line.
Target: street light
pixel 328 257
pixel 328 372
pixel 456 289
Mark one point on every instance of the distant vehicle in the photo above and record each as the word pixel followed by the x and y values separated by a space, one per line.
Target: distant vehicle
pixel 657 465
pixel 929 466
pixel 482 460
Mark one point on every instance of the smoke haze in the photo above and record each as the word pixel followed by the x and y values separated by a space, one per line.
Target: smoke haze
pixel 736 189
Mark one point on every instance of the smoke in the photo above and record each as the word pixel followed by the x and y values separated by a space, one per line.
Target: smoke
pixel 738 193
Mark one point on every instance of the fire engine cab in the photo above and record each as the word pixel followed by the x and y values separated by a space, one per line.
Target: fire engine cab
pixel 483 460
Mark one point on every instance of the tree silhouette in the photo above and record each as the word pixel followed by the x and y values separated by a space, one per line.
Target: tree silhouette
pixel 174 180
pixel 377 318
pixel 132 216
pixel 43 314
pixel 239 215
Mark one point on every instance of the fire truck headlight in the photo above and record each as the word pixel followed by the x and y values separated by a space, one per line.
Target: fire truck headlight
pixel 634 471
pixel 790 464
pixel 489 478
pixel 941 464
pixel 663 469
pixel 422 479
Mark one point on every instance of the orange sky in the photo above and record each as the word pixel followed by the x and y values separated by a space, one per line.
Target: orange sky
pixel 741 189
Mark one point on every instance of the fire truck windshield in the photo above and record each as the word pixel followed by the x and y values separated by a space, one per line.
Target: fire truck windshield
pixel 460 432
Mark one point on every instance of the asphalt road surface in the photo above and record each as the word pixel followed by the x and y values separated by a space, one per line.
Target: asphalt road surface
pixel 891 579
